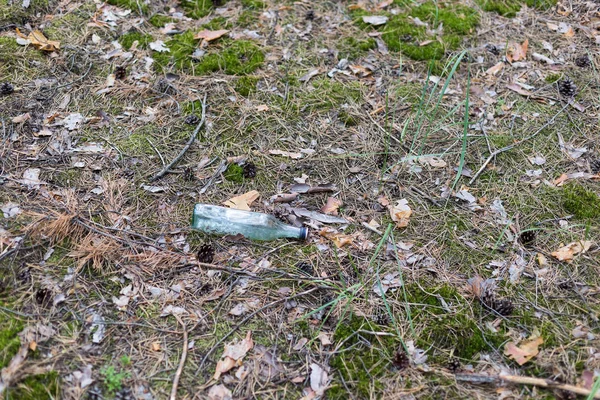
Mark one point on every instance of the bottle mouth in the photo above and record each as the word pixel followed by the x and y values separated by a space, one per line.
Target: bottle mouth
pixel 303 233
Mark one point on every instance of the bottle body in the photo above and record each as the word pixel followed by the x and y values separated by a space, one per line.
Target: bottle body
pixel 228 221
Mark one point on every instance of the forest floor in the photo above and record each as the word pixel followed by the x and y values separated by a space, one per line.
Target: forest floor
pixel 445 157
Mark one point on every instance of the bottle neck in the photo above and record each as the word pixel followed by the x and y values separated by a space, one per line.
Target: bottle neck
pixel 293 232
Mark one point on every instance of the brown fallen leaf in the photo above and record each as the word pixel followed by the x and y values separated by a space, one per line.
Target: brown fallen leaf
pixel 339 239
pixel 332 206
pixel 208 35
pixel 21 118
pixel 284 153
pixel 517 52
pixel 41 42
pixel 243 201
pixel 525 352
pixel 568 252
pixel 495 69
pixel 310 74
pixel 262 107
pixel 233 355
pixel 400 213
pixel 516 88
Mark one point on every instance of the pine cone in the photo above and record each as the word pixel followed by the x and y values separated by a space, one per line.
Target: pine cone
pixel 249 170
pixel 124 394
pixel 206 254
pixel 567 87
pixel 527 238
pixel 94 393
pixel 188 174
pixel 192 119
pixel 310 15
pixel 120 72
pixel 43 296
pixel 381 317
pixel 583 61
pixel 502 306
pixel 595 165
pixel 6 88
pixel 401 360
pixel 492 49
pixel 454 365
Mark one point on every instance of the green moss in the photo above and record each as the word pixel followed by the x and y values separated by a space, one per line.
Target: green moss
pixel 582 203
pixel 217 23
pixel 197 8
pixel 352 48
pixel 67 177
pixel 401 34
pixel 9 339
pixel 234 173
pixel 347 119
pixel 362 367
pixel 138 6
pixel 67 27
pixel 247 18
pixel 136 143
pixel 129 38
pixel 246 85
pixel 553 78
pixel 328 94
pixel 253 4
pixel 509 8
pixel 238 57
pixel 24 59
pixel 36 387
pixel 159 20
pixel 13 12
pixel 113 380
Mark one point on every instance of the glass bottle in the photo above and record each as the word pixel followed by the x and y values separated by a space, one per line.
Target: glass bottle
pixel 229 221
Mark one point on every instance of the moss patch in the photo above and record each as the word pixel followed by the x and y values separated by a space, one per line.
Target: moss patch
pixel 159 20
pixel 197 8
pixel 328 94
pixel 246 85
pixel 401 34
pixel 129 38
pixel 9 339
pixel 217 23
pixel 253 4
pixel 13 12
pixel 247 18
pixel 36 387
pixel 510 8
pixel 352 48
pixel 581 202
pixel 234 173
pixel 362 367
pixel 13 58
pixel 137 6
pixel 238 57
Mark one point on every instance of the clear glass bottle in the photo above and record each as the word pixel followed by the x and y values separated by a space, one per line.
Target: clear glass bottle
pixel 253 225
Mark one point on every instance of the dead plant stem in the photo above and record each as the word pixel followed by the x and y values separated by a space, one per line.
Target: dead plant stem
pixel 181 361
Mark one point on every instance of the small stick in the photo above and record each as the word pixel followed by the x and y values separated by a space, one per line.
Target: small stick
pixel 186 147
pixel 510 147
pixel 525 380
pixel 162 160
pixel 246 319
pixel 181 361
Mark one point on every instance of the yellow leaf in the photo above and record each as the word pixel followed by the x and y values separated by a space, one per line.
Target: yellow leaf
pixel 339 239
pixel 568 252
pixel 243 201
pixel 525 352
pixel 400 213
pixel 155 346
pixel 40 42
pixel 332 206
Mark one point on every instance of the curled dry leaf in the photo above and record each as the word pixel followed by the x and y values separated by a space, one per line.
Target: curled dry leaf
pixel 39 41
pixel 332 206
pixel 568 252
pixel 494 69
pixel 233 355
pixel 517 52
pixel 208 36
pixel 400 213
pixel 525 352
pixel 243 201
pixel 339 239
pixel 219 392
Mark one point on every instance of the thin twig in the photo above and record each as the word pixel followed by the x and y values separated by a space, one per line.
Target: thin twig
pixel 525 380
pixel 186 147
pixel 246 319
pixel 162 160
pixel 181 361
pixel 510 147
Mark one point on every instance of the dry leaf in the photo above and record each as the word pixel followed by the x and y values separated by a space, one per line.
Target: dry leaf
pixel 339 239
pixel 568 252
pixel 21 118
pixel 400 213
pixel 207 35
pixel 325 338
pixel 284 153
pixel 525 352
pixel 243 201
pixel 155 346
pixel 332 206
pixel 384 4
pixel 517 51
pixel 318 379
pixel 375 19
pixel 219 392
pixel 262 107
pixel 495 69
pixel 40 42
pixel 310 74
pixel 517 88
pixel 233 355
